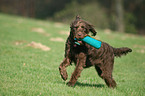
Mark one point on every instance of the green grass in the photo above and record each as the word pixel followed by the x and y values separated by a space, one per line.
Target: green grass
pixel 27 71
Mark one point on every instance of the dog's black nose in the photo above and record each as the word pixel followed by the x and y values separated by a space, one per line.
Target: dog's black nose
pixel 79 34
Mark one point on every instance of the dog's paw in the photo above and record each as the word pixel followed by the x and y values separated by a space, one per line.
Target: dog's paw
pixel 64 77
pixel 63 74
pixel 70 84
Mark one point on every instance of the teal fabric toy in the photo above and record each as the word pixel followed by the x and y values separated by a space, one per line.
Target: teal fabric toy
pixel 91 41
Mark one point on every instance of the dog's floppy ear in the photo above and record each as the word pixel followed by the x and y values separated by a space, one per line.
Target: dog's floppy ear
pixel 91 28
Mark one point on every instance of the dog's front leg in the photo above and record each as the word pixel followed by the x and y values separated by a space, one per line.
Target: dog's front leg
pixel 62 68
pixel 79 67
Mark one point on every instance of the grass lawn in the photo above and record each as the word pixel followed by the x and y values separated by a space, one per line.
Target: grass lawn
pixel 27 69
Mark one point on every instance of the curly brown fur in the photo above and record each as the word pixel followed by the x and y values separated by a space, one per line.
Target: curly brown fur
pixel 85 56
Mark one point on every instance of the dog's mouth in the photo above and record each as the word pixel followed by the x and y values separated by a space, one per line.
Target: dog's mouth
pixel 78 42
pixel 78 39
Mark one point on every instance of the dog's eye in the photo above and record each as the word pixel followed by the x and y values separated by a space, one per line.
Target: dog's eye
pixel 82 27
pixel 76 27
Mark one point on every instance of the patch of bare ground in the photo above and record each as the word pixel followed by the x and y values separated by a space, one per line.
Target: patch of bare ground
pixel 19 42
pixel 39 46
pixel 57 39
pixel 107 31
pixel 139 46
pixel 64 33
pixel 40 30
pixel 58 24
pixel 141 50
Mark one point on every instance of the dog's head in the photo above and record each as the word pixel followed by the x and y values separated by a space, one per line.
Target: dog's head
pixel 81 28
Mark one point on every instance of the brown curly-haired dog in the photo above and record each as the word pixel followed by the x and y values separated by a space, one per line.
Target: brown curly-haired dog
pixel 85 56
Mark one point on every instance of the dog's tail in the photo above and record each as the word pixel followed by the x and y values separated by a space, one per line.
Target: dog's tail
pixel 121 51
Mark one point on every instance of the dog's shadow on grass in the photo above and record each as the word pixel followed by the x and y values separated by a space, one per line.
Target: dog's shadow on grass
pixel 89 85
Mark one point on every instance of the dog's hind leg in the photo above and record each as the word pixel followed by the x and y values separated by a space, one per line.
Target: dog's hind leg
pixel 62 68
pixel 106 74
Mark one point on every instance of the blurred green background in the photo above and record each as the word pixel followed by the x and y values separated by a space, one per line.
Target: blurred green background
pixel 117 15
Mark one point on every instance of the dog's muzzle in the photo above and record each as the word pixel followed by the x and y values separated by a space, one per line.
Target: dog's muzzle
pixel 78 41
